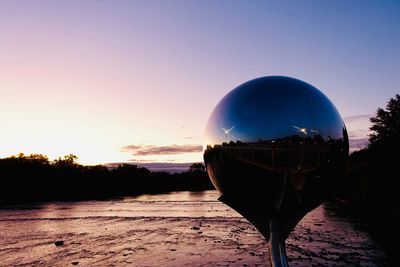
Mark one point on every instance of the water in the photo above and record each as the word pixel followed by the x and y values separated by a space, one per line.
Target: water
pixel 176 229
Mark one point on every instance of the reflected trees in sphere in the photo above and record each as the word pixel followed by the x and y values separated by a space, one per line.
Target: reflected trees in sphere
pixel 275 148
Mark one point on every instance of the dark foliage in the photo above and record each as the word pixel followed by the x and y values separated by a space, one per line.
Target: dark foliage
pixel 372 173
pixel 386 124
pixel 35 178
pixel 371 187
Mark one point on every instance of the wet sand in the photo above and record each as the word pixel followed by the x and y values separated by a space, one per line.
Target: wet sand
pixel 178 229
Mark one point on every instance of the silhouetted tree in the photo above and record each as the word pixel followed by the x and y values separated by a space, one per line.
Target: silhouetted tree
pixel 372 173
pixel 383 160
pixel 386 124
pixel 67 160
pixel 197 167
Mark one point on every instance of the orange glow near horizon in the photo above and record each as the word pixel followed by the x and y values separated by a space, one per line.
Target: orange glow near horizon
pixel 57 124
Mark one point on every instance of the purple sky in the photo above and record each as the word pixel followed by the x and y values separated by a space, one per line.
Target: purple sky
pixel 95 78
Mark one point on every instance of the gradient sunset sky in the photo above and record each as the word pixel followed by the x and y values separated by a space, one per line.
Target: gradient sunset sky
pixel 118 81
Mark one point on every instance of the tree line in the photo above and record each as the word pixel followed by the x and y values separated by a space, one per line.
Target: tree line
pixel 372 174
pixel 371 180
pixel 35 178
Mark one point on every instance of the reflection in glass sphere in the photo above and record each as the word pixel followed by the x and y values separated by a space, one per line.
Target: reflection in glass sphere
pixel 275 147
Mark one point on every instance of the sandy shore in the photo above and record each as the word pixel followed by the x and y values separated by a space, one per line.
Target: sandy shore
pixel 180 230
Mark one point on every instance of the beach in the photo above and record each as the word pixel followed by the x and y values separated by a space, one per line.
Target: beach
pixel 176 229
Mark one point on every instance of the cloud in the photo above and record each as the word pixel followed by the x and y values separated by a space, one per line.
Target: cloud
pixel 170 167
pixel 358 133
pixel 359 143
pixel 358 117
pixel 191 138
pixel 358 139
pixel 358 130
pixel 165 166
pixel 146 150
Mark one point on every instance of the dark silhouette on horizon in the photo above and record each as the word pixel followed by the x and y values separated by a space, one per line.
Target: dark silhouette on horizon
pixel 371 187
pixel 372 171
pixel 33 177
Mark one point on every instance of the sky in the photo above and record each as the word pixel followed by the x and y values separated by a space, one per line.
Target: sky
pixel 135 81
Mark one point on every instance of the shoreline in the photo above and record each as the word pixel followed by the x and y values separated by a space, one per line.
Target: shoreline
pixel 179 229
